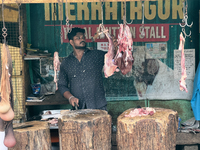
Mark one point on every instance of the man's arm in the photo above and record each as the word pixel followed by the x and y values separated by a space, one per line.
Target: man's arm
pixel 63 86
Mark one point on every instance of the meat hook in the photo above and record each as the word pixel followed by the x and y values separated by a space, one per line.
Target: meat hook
pixel 130 22
pixel 185 22
pixel 126 22
pixel 185 16
pixel 4 29
pixel 185 34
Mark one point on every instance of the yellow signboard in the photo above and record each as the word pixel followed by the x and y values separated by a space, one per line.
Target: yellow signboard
pixel 160 8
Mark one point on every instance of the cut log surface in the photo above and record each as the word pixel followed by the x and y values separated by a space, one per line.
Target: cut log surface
pixel 33 135
pixel 86 129
pixel 156 132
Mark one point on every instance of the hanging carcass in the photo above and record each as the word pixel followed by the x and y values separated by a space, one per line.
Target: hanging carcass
pixel 6 111
pixel 6 99
pixel 109 66
pixel 56 64
pixel 124 58
pixel 183 69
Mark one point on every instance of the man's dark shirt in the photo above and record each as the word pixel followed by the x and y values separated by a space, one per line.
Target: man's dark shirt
pixel 84 79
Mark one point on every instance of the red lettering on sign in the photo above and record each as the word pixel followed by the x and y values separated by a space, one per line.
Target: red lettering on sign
pixel 153 32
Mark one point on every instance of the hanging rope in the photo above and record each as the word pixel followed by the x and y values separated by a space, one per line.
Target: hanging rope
pixel 102 30
pixel 4 30
pixel 54 18
pixel 124 13
pixel 142 33
pixel 20 33
pixel 69 27
pixel 61 33
pixel 102 3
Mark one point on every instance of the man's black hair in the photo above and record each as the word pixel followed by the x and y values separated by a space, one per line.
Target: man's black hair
pixel 74 31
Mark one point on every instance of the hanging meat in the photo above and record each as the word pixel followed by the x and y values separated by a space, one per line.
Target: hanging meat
pixel 183 69
pixel 56 64
pixel 124 58
pixel 109 66
pixel 6 112
pixel 6 98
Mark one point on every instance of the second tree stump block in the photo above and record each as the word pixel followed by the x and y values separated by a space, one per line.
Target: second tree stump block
pixel 156 132
pixel 33 135
pixel 86 129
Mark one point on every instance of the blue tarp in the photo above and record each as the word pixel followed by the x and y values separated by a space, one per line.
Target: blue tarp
pixel 195 102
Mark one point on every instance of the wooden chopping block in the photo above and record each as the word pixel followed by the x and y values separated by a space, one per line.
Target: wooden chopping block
pixel 156 132
pixel 86 129
pixel 33 135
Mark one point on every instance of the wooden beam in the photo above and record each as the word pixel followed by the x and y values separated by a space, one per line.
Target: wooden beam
pixel 60 1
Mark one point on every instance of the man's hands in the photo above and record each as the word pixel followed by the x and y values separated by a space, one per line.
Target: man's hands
pixel 71 98
pixel 74 100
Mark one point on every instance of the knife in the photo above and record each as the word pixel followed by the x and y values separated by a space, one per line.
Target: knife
pixel 75 105
pixel 21 126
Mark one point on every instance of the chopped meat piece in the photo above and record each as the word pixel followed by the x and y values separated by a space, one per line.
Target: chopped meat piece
pixel 141 112
pixel 47 112
pixel 53 121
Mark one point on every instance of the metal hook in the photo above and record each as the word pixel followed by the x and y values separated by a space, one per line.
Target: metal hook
pixel 125 22
pixel 142 32
pixel 102 3
pixel 185 35
pixel 130 22
pixel 185 22
pixel 185 16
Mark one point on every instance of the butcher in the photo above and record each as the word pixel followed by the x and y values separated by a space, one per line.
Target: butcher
pixel 80 78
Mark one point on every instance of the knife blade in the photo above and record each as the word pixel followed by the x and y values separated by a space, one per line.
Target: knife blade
pixel 75 105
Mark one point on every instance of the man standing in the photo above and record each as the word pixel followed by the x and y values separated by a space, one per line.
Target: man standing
pixel 80 77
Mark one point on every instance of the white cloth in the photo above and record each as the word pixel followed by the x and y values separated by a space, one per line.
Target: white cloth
pixel 166 87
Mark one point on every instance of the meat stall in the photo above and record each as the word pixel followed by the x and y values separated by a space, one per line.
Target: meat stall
pixel 149 71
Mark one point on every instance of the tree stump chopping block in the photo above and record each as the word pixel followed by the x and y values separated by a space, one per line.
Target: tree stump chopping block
pixel 86 129
pixel 156 132
pixel 33 135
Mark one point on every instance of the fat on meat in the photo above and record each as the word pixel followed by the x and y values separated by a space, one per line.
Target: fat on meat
pixel 124 58
pixel 9 140
pixel 183 69
pixel 56 64
pixel 109 66
pixel 141 112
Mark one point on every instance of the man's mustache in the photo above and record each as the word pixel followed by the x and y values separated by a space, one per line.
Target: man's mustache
pixel 83 42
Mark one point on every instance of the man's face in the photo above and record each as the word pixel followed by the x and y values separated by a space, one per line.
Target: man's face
pixel 79 41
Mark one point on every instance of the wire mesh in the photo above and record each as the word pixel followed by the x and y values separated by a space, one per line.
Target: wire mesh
pixel 12 25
